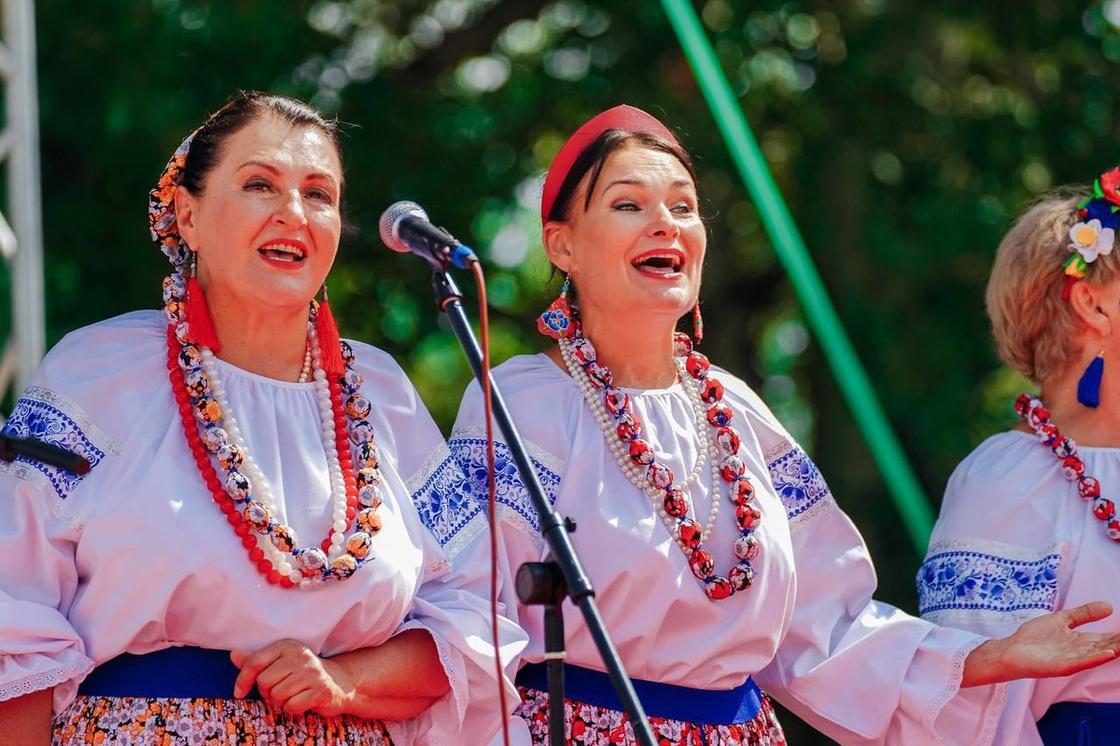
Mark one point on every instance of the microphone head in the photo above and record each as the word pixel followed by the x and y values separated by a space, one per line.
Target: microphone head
pixel 389 225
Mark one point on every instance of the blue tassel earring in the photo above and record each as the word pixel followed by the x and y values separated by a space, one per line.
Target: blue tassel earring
pixel 1089 386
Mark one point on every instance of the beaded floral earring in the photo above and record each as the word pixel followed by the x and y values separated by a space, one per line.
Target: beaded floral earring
pixel 697 324
pixel 558 320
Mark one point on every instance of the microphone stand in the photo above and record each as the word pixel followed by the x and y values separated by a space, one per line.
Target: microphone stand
pixel 545 582
pixel 12 447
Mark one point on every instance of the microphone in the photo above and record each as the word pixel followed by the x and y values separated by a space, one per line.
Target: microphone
pixel 405 228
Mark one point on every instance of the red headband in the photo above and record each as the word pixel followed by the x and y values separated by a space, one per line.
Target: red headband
pixel 622 117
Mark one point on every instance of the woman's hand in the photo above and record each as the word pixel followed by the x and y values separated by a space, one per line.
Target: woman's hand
pixel 396 680
pixel 293 679
pixel 1044 646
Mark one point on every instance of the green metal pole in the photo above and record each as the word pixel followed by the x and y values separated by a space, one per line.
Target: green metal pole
pixel 790 247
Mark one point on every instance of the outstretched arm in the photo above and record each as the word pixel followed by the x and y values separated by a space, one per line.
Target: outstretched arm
pixel 1045 646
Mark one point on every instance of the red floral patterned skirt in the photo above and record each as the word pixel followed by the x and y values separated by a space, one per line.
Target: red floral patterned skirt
pixel 587 725
pixel 124 721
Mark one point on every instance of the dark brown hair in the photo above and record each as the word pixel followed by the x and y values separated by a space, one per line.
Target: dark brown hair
pixel 243 109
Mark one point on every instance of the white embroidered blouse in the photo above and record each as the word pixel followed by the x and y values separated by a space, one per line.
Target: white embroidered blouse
pixel 135 556
pixel 807 630
pixel 1014 541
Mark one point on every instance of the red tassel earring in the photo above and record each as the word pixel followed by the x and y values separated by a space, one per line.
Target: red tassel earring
pixel 330 346
pixel 697 323
pixel 199 323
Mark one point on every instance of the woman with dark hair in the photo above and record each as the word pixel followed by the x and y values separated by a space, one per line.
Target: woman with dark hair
pixel 244 562
pixel 719 556
pixel 1029 524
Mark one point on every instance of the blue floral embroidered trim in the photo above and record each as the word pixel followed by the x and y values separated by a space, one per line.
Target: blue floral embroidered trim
pixel 510 491
pixel 36 419
pixel 978 581
pixel 797 481
pixel 445 501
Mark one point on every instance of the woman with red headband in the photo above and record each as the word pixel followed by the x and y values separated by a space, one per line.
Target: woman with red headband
pixel 244 563
pixel 721 562
pixel 1029 523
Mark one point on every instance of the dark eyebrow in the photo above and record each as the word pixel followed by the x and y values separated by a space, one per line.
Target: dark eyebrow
pixel 639 182
pixel 273 170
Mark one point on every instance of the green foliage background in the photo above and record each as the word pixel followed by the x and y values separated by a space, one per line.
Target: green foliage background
pixel 905 136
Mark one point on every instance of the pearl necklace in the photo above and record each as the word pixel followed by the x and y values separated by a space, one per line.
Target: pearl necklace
pixel 613 411
pixel 1037 417
pixel 305 371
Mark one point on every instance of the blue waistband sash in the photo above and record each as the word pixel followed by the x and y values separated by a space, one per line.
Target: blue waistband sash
pixel 723 707
pixel 182 673
pixel 1080 723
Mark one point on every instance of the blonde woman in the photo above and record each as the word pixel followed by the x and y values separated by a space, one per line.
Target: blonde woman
pixel 1028 524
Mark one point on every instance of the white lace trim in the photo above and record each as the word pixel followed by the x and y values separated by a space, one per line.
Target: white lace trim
pixel 981 619
pixel 807 516
pixel 39 481
pixel 956 673
pixel 780 448
pixel 71 409
pixel 547 459
pixel 475 525
pixel 45 680
pixel 434 460
pixel 513 518
pixel 456 678
pixel 998 548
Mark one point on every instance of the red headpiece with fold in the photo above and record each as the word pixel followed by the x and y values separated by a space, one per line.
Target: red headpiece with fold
pixel 622 117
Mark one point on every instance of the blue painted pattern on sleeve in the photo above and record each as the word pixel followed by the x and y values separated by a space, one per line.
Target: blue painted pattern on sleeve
pixel 445 502
pixel 970 580
pixel 510 489
pixel 40 420
pixel 798 481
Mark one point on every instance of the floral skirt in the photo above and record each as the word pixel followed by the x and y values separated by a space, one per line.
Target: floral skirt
pixel 125 721
pixel 587 725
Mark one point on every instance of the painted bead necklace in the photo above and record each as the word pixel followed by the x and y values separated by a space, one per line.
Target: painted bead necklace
pixel 636 458
pixel 243 493
pixel 1037 417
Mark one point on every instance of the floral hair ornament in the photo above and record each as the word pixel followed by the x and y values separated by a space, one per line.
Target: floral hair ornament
pixel 1095 230
pixel 622 117
pixel 182 295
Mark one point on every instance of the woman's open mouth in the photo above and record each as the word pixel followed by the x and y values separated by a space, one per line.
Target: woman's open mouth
pixel 287 253
pixel 663 263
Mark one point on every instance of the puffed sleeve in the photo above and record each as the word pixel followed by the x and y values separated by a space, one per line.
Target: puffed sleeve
pixel 452 601
pixel 996 558
pixel 518 525
pixel 860 671
pixel 39 533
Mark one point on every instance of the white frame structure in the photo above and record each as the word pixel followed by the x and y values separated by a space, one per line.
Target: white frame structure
pixel 21 239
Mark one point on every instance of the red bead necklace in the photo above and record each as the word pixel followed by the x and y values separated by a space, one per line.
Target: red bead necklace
pixel 1037 417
